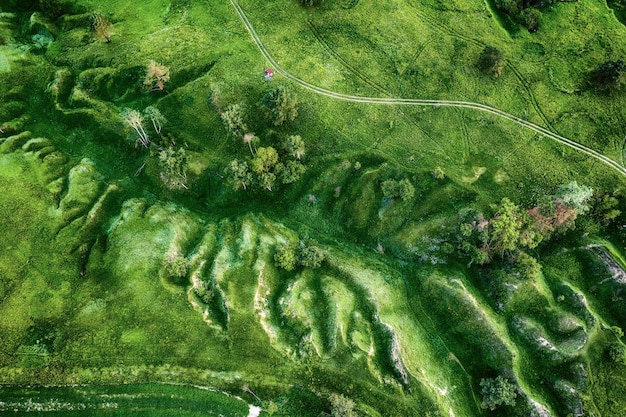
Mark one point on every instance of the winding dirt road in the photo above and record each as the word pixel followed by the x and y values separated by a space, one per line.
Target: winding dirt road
pixel 418 102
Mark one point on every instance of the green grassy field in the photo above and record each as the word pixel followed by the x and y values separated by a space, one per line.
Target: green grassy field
pixel 92 319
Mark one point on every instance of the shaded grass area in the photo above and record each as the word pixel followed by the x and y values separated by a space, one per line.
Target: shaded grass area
pixel 117 400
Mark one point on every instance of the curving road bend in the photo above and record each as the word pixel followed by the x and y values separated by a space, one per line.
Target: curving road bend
pixel 419 102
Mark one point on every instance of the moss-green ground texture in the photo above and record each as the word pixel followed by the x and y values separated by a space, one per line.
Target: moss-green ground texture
pixel 391 319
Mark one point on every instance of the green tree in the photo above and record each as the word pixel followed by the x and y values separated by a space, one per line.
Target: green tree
pixel 605 208
pixel 616 352
pixel 341 406
pixel 491 61
pixel 505 227
pixel 177 267
pixel 610 75
pixel 264 160
pixel 291 172
pixel 497 392
pixel 267 180
pixel 438 173
pixel 154 115
pixel 294 145
pixel 394 189
pixel 173 168
pixel 311 256
pixel 509 7
pixel 280 104
pixel 530 18
pixel 528 266
pixel 233 119
pixel 390 188
pixel 407 191
pixel 285 257
pixel 477 255
pixel 54 8
pixel 238 175
pixel 252 141
pixel 574 196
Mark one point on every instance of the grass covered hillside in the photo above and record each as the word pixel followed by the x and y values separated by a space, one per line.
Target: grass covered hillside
pixel 305 208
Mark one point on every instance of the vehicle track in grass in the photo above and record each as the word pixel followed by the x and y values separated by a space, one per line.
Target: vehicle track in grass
pixel 368 81
pixel 419 102
pixel 467 149
pixel 364 78
pixel 450 32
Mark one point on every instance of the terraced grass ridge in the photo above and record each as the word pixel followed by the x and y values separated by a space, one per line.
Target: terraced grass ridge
pixel 311 208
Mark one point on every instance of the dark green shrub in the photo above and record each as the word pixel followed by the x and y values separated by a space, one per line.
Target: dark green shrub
pixel 285 257
pixel 280 104
pixel 610 75
pixel 311 256
pixel 173 168
pixel 497 392
pixel 233 119
pixel 530 19
pixel 490 62
pixel 341 406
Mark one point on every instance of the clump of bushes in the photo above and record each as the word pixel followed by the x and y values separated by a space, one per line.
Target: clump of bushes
pixel 496 392
pixel 512 229
pixel 402 189
pixel 491 61
pixel 280 105
pixel 176 269
pixel 341 406
pixel 266 167
pixel 609 76
pixel 526 13
pixel 288 256
pixel 173 168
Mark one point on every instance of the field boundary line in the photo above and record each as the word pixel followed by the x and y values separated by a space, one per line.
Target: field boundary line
pixel 420 102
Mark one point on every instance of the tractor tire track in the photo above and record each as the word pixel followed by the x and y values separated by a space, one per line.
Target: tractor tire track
pixel 415 57
pixel 419 102
pixel 465 133
pixel 357 73
pixel 369 81
pixel 513 68
pixel 532 97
